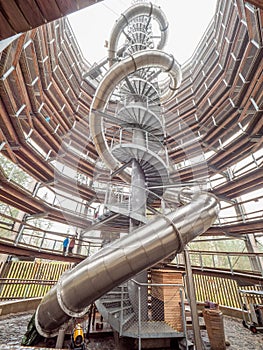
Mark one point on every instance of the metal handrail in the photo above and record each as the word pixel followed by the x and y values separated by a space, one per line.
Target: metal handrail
pixel 157 284
pixel 128 194
pixel 140 285
pixel 56 245
pixel 213 264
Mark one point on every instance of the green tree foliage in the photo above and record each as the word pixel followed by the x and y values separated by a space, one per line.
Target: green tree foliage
pixel 14 173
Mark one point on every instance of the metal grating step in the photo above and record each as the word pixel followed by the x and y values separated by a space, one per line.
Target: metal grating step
pixel 117 310
pixel 152 329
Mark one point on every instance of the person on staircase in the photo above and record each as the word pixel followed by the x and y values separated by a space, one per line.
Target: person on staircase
pixel 65 245
pixel 71 245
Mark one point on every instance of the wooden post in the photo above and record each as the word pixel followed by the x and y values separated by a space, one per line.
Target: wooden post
pixel 166 299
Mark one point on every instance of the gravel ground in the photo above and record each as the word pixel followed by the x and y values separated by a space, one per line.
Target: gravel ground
pixel 13 327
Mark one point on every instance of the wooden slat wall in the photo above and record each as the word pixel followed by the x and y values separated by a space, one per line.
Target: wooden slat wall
pixel 223 291
pixel 169 296
pixel 24 279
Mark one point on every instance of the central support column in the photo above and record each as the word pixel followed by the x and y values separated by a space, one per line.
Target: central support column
pixel 138 205
pixel 138 186
pixel 138 193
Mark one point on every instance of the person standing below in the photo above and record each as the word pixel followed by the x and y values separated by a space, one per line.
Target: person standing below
pixel 71 244
pixel 65 245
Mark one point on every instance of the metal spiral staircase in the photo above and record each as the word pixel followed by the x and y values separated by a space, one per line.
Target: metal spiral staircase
pixel 138 116
pixel 132 177
pixel 138 123
pixel 138 145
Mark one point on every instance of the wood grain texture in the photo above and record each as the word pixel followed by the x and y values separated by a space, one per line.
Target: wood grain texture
pixel 31 12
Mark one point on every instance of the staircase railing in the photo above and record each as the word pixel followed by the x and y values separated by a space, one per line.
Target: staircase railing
pixel 157 321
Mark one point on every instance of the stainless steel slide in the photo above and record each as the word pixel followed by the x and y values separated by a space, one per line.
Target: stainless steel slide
pixel 147 9
pixel 123 259
pixel 147 245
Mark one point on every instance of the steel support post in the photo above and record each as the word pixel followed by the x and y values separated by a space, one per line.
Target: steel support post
pixel 60 338
pixel 192 301
pixel 139 319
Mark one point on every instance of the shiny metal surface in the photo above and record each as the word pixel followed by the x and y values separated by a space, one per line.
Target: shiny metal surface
pixel 179 194
pixel 141 59
pixel 160 237
pixel 124 258
pixel 147 9
pixel 138 193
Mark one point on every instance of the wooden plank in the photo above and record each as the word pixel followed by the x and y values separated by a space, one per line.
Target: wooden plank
pixel 31 12
pixel 257 3
pixel 5 28
pixel 15 273
pixel 49 9
pixel 19 49
pixel 6 287
pixel 14 16
pixel 6 126
pixel 168 296
pixel 67 6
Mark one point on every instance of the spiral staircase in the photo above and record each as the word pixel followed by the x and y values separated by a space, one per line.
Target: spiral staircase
pixel 132 178
pixel 138 145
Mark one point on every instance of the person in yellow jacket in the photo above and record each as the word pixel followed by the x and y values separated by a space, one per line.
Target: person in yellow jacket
pixel 78 338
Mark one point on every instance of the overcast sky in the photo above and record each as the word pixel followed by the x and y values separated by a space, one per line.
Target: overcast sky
pixel 187 22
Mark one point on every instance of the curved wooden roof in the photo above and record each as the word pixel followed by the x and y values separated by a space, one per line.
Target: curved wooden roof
pixel 19 16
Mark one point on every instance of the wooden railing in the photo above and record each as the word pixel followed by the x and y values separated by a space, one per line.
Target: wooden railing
pixel 26 279
pixel 223 291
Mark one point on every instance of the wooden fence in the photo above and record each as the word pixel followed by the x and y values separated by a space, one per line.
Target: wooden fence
pixel 223 291
pixel 29 279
